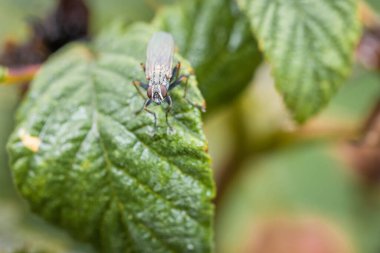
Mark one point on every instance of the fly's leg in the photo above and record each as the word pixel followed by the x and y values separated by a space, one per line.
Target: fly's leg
pixel 138 84
pixel 154 116
pixel 142 109
pixel 145 107
pixel 200 107
pixel 175 72
pixel 179 81
pixel 143 67
pixel 170 103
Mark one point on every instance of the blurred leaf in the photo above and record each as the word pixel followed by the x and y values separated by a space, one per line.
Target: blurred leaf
pixel 267 122
pixel 303 181
pixel 215 37
pixel 105 12
pixel 262 113
pixel 221 140
pixel 309 45
pixel 375 4
pixel 357 97
pixel 86 162
pixel 14 14
pixel 8 102
pixel 23 233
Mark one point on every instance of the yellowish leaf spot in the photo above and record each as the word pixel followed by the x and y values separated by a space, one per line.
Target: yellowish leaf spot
pixel 30 142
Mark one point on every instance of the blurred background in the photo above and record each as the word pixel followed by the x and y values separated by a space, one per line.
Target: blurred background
pixel 282 187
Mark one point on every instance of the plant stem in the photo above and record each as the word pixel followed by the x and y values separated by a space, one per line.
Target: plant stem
pixel 11 76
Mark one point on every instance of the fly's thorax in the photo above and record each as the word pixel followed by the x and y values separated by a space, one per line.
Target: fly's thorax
pixel 160 75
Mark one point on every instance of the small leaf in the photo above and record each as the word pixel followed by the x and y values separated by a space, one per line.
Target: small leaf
pixel 310 46
pixel 99 171
pixel 216 39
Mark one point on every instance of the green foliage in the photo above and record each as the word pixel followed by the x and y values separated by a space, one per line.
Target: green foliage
pixel 352 101
pixel 15 13
pixel 375 4
pixel 306 180
pixel 8 102
pixel 12 25
pixel 215 37
pixel 22 232
pixel 309 45
pixel 85 161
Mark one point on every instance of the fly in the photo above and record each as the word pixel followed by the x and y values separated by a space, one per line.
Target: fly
pixel 160 74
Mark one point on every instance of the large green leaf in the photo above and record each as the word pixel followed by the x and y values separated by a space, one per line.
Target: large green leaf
pixel 309 45
pixel 215 37
pixel 84 161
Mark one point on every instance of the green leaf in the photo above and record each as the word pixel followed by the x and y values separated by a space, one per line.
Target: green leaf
pixel 309 45
pixel 216 39
pixel 85 161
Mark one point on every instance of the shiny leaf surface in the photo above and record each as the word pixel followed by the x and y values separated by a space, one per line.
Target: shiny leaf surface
pixel 310 46
pixel 85 161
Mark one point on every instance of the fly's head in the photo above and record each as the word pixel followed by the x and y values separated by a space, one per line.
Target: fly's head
pixel 158 85
pixel 157 93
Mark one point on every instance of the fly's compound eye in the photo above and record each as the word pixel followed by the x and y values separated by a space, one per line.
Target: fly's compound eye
pixel 163 90
pixel 149 92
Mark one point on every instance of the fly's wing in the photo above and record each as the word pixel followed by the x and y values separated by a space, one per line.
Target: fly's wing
pixel 159 55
